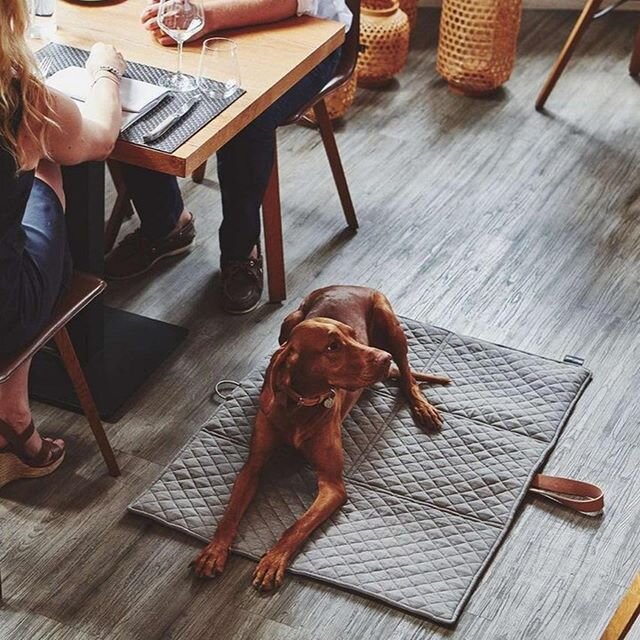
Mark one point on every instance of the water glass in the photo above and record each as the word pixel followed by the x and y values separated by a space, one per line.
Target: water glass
pixel 219 61
pixel 42 19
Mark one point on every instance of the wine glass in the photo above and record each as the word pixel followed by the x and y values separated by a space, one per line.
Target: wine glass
pixel 180 20
pixel 219 61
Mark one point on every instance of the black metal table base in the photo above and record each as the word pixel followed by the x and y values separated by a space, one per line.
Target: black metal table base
pixel 134 347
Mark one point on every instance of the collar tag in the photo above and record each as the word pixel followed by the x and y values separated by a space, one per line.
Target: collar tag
pixel 330 401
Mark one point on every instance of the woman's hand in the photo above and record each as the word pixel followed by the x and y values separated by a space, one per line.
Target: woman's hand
pixel 104 54
pixel 149 19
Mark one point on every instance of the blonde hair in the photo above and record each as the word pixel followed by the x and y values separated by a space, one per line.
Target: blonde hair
pixel 21 85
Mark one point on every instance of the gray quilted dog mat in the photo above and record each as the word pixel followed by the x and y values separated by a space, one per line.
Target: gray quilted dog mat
pixel 426 512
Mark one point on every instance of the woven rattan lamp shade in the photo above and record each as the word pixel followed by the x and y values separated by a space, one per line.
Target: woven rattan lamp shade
pixel 384 37
pixel 338 101
pixel 410 7
pixel 477 44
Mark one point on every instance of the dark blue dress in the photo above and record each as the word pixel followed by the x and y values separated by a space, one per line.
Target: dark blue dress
pixel 35 264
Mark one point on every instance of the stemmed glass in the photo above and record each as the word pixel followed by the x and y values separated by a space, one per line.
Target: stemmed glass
pixel 180 20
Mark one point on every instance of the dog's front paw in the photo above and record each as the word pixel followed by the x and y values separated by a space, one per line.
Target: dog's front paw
pixel 426 415
pixel 269 573
pixel 210 563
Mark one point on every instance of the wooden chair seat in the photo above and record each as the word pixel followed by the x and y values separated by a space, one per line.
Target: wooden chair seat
pixel 82 290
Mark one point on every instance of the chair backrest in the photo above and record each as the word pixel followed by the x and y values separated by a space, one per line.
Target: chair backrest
pixel 351 44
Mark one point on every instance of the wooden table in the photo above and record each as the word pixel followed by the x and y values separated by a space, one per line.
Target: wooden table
pixel 119 349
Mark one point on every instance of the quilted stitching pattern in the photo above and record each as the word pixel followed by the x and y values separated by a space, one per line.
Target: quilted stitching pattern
pixel 468 468
pixel 426 512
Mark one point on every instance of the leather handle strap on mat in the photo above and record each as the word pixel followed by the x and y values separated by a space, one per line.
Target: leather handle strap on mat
pixel 577 495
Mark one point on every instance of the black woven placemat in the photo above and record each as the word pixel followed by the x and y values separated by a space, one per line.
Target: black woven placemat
pixel 63 56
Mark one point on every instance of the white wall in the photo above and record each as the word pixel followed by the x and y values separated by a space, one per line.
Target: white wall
pixel 550 4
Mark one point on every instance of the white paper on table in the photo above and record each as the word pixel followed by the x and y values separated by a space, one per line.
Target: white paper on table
pixel 137 97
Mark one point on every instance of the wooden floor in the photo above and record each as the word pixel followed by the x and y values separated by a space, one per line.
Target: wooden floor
pixel 481 216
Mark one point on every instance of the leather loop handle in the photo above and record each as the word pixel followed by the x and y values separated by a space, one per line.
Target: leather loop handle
pixel 577 495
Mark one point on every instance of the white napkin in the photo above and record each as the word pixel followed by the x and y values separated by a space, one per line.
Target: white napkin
pixel 137 97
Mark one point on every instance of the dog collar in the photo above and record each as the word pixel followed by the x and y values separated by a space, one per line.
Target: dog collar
pixel 327 400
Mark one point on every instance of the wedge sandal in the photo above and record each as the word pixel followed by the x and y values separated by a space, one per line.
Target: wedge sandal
pixel 16 463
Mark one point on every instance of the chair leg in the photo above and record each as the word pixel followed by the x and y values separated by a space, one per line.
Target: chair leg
pixel 198 175
pixel 272 223
pixel 70 360
pixel 634 65
pixel 626 614
pixel 578 31
pixel 330 146
pixel 122 209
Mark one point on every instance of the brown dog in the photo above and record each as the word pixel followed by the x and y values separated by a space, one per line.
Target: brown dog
pixel 340 341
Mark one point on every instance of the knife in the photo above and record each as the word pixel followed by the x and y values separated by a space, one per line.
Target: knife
pixel 171 120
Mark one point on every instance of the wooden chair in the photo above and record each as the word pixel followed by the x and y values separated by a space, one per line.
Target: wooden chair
pixel 82 290
pixel 626 614
pixel 271 211
pixel 590 12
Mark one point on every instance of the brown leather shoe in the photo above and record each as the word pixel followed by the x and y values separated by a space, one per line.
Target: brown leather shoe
pixel 242 284
pixel 136 254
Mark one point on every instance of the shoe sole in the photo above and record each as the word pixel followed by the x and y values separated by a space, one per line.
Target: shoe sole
pixel 12 468
pixel 170 254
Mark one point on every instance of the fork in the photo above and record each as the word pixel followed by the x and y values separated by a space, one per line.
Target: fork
pixel 46 65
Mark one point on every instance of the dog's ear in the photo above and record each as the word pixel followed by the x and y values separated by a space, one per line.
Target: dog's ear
pixel 278 375
pixel 288 324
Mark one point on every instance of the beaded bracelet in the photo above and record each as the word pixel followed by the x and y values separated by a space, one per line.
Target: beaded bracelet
pixel 109 76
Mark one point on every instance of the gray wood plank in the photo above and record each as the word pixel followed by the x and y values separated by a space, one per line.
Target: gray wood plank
pixel 479 215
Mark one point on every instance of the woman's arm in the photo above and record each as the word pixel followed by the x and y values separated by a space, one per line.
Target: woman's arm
pixel 226 14
pixel 89 135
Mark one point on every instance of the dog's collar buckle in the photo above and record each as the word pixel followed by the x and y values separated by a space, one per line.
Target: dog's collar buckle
pixel 327 400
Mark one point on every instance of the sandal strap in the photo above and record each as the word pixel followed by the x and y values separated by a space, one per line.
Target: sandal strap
pixel 16 440
pixel 48 454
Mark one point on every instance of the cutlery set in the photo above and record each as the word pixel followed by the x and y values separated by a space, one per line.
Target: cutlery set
pixel 46 66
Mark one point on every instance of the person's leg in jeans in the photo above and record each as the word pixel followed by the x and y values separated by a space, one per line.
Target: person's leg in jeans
pixel 44 274
pixel 166 228
pixel 244 167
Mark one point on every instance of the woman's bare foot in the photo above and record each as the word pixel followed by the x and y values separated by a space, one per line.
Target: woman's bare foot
pixel 19 424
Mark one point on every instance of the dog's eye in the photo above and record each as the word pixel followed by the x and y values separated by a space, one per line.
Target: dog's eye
pixel 334 346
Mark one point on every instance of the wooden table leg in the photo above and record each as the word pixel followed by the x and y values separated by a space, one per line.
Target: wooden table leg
pixel 626 614
pixel 198 175
pixel 274 249
pixel 578 31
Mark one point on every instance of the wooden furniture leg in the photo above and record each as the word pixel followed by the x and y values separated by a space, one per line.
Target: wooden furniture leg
pixel 122 208
pixel 634 65
pixel 578 31
pixel 329 140
pixel 272 223
pixel 626 614
pixel 72 365
pixel 198 175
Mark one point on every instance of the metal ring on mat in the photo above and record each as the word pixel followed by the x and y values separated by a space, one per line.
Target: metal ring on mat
pixel 225 382
pixel 607 10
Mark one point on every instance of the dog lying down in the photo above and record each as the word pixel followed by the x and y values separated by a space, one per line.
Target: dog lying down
pixel 341 340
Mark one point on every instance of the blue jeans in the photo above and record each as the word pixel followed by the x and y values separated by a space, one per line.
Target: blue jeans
pixel 244 167
pixel 40 269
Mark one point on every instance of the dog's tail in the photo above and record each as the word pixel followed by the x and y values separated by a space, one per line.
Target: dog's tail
pixel 420 377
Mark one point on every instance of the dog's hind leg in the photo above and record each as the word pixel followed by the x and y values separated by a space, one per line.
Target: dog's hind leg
pixel 386 333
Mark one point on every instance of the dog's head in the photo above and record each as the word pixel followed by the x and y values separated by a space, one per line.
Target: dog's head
pixel 322 353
